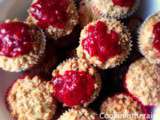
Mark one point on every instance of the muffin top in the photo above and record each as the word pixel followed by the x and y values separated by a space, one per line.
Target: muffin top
pixel 105 43
pixel 16 39
pixel 74 64
pixel 57 18
pixel 22 45
pixel 149 42
pixel 30 98
pixel 50 12
pixel 114 8
pixel 79 114
pixel 143 81
pixel 76 82
pixel 123 104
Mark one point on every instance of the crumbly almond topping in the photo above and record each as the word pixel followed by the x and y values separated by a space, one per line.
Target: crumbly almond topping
pixel 143 81
pixel 146 38
pixel 120 105
pixel 56 32
pixel 76 64
pixel 125 42
pixel 31 99
pixel 105 8
pixel 78 114
pixel 26 61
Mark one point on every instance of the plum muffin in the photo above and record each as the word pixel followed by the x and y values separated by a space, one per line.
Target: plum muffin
pixel 56 17
pixel 76 82
pixel 105 43
pixel 123 107
pixel 143 81
pixel 22 46
pixel 149 39
pixel 31 98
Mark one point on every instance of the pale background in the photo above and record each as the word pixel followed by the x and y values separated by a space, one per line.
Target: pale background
pixel 10 9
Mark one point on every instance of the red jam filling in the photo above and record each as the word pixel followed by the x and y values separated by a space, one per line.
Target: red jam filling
pixel 74 88
pixel 15 39
pixel 124 3
pixel 156 32
pixel 101 43
pixel 50 12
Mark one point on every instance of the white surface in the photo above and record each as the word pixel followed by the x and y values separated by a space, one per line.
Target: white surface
pixel 13 8
pixel 9 9
pixel 5 80
pixel 17 8
pixel 149 7
pixel 156 113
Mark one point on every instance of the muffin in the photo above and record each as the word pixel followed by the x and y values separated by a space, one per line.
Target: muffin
pixel 123 107
pixel 79 114
pixel 149 42
pixel 57 18
pixel 31 98
pixel 105 43
pixel 114 8
pixel 143 81
pixel 93 9
pixel 76 83
pixel 21 46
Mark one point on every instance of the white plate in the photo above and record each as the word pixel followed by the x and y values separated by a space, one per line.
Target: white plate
pixel 17 8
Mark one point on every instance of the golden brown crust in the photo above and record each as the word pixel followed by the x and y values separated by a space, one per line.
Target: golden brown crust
pixel 125 42
pixel 143 81
pixel 146 38
pixel 79 114
pixel 76 64
pixel 29 60
pixel 56 32
pixel 122 104
pixel 31 99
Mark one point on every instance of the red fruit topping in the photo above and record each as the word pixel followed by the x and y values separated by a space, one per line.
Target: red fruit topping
pixel 50 12
pixel 124 3
pixel 74 88
pixel 156 32
pixel 15 39
pixel 101 43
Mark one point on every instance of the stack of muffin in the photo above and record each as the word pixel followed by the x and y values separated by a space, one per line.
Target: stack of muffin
pixel 105 43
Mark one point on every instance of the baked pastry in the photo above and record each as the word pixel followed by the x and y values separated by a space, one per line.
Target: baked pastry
pixel 91 10
pixel 21 46
pixel 114 8
pixel 149 39
pixel 105 43
pixel 79 114
pixel 31 98
pixel 143 82
pixel 57 18
pixel 76 83
pixel 123 107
